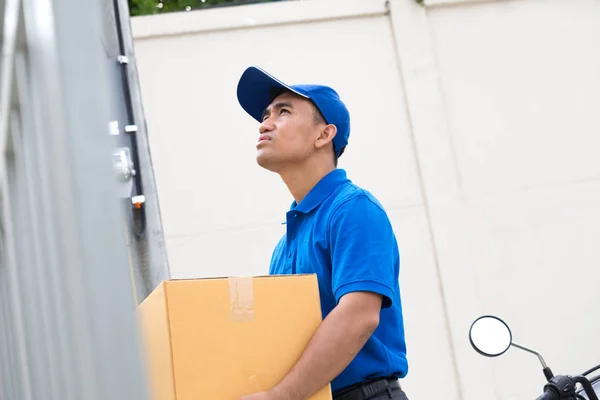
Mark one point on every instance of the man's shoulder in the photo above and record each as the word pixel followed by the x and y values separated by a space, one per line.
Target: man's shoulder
pixel 351 196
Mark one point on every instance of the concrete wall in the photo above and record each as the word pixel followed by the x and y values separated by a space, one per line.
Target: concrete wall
pixel 475 123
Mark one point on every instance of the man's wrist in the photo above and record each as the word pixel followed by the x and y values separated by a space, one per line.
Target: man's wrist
pixel 284 391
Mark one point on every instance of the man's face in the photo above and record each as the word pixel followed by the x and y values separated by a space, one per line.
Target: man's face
pixel 288 133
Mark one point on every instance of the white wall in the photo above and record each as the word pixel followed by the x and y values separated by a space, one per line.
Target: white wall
pixel 521 82
pixel 475 124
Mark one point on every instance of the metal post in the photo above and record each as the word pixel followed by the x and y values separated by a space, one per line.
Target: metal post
pixel 148 252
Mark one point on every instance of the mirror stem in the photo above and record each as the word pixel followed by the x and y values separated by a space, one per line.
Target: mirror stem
pixel 547 372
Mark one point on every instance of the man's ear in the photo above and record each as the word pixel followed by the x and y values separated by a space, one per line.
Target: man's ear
pixel 326 136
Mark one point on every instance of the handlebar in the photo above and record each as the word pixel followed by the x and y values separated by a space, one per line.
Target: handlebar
pixel 549 394
pixel 563 387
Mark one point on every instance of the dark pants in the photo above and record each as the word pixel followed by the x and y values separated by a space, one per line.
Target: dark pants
pixel 372 390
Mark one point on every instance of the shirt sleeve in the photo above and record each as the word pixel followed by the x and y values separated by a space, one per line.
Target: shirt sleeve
pixel 364 252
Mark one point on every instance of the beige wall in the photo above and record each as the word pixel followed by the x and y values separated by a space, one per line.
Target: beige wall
pixel 476 125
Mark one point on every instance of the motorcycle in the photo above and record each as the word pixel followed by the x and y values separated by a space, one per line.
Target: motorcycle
pixel 490 336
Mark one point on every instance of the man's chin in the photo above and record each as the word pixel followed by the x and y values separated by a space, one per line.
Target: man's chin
pixel 266 162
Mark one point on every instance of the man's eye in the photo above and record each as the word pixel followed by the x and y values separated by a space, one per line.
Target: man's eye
pixel 283 110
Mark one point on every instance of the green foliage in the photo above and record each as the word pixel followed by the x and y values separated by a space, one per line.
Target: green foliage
pixel 145 7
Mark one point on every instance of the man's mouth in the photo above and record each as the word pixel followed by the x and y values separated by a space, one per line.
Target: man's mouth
pixel 264 138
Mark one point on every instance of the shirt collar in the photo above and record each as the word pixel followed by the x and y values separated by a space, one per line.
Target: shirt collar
pixel 321 191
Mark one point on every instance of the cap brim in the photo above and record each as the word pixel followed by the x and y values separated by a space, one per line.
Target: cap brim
pixel 255 91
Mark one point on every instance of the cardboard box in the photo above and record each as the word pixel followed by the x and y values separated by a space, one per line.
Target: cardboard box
pixel 222 338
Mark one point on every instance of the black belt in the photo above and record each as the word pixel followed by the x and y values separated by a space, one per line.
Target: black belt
pixel 368 389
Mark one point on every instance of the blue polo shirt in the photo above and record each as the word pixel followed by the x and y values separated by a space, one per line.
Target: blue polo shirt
pixel 342 234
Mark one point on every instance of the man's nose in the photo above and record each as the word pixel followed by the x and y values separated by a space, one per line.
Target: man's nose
pixel 266 126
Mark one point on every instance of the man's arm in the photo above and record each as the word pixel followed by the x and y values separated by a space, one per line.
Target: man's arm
pixel 363 247
pixel 333 346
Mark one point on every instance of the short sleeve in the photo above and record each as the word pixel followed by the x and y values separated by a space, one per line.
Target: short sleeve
pixel 364 252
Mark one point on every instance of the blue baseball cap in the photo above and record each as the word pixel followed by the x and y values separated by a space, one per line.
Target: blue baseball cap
pixel 257 89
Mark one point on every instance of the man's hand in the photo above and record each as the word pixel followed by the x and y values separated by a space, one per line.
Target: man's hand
pixel 258 396
pixel 272 394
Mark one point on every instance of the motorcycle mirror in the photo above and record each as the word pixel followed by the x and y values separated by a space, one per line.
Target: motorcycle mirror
pixel 490 336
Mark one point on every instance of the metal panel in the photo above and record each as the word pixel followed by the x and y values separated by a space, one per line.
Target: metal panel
pixel 68 329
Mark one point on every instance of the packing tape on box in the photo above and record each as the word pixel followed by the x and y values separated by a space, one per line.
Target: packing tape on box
pixel 241 296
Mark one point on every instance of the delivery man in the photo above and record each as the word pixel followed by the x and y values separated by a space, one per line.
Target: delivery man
pixel 336 230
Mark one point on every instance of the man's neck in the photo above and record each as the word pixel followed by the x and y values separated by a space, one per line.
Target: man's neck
pixel 300 181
